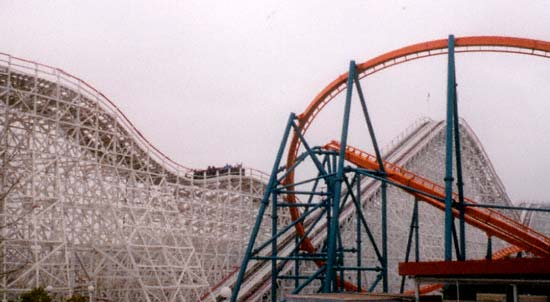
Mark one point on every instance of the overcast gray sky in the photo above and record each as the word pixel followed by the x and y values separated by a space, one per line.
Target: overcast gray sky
pixel 210 82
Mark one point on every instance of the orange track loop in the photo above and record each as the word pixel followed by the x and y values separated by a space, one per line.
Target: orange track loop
pixel 402 55
pixel 421 50
pixel 490 221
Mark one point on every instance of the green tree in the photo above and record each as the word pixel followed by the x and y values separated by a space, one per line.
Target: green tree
pixel 77 298
pixel 36 295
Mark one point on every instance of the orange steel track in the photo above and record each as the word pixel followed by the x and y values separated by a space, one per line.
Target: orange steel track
pixel 493 44
pixel 490 221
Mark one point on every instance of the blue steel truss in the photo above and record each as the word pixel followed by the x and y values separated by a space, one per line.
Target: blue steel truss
pixel 325 195
pixel 333 188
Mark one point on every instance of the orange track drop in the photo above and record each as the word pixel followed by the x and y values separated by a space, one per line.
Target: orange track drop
pixel 494 44
pixel 490 221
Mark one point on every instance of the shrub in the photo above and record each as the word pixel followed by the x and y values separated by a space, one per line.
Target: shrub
pixel 36 295
pixel 77 298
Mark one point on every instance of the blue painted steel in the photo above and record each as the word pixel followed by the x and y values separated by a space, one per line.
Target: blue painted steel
pixel 449 150
pixel 302 192
pixel 330 278
pixel 375 283
pixel 416 233
pixel 359 268
pixel 413 231
pixel 489 255
pixel 301 257
pixel 308 280
pixel 274 246
pixel 327 204
pixel 383 188
pixel 455 241
pixel 296 249
pixel 296 262
pixel 308 149
pixel 288 227
pixel 320 207
pixel 365 225
pixel 316 179
pixel 459 181
pixel 375 175
pixel 359 256
pixel 494 206
pixel 384 210
pixel 265 202
pixel 369 124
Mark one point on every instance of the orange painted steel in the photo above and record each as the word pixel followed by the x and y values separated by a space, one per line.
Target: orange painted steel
pixel 490 221
pixel 494 44
pixel 422 50
pixel 526 268
pixel 413 52
pixel 500 254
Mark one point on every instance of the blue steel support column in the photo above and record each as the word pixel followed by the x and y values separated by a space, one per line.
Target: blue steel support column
pixel 274 271
pixel 297 262
pixel 455 241
pixel 383 189
pixel 459 181
pixel 359 247
pixel 384 210
pixel 330 276
pixel 416 233
pixel 265 202
pixel 413 229
pixel 489 255
pixel 449 149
